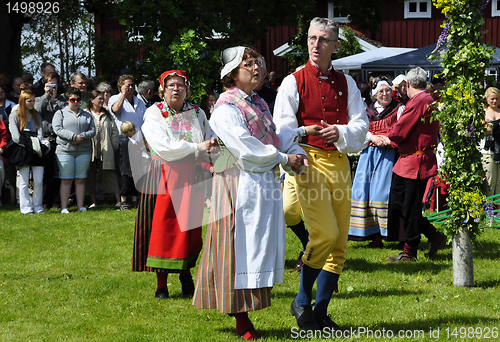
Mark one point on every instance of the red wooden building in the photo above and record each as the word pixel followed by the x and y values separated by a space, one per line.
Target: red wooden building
pixel 405 23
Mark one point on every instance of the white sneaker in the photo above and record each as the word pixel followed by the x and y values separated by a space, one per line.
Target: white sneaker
pixel 92 206
pixel 82 209
pixel 118 205
pixel 65 211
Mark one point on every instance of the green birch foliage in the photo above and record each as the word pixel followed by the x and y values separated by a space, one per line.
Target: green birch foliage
pixel 464 58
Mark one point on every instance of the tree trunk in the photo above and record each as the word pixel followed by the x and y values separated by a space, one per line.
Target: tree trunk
pixel 463 266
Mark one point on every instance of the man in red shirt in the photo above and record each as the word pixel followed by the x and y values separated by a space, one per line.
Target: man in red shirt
pixel 416 137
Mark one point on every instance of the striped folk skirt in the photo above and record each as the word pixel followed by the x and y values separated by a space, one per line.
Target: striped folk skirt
pixel 216 271
pixel 370 193
pixel 167 238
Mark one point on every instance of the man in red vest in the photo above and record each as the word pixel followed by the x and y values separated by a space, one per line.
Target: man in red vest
pixel 417 137
pixel 317 94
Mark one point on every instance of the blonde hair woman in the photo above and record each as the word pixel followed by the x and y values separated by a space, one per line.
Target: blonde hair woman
pixel 491 144
pixel 25 120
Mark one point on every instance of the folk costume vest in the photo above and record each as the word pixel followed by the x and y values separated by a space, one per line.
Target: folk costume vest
pixel 258 121
pixel 320 99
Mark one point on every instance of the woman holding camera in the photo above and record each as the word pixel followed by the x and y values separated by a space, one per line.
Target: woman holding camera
pixel 47 105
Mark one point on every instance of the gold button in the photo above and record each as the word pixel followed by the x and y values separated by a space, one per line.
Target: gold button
pixel 337 109
pixel 335 97
pixel 322 97
pixel 320 82
pixel 337 121
pixel 324 109
pixel 333 82
pixel 340 155
pixel 328 155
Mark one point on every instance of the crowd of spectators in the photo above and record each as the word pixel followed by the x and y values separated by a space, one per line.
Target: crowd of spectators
pixel 80 121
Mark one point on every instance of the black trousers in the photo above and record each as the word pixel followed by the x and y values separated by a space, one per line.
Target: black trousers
pixel 406 202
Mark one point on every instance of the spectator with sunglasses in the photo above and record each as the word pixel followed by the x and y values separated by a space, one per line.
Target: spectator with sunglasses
pixel 75 129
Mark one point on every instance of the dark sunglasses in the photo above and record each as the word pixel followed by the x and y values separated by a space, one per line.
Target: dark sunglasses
pixel 74 99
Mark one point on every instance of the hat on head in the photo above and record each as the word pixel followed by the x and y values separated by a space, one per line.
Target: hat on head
pixel 179 73
pixel 378 85
pixel 399 79
pixel 231 58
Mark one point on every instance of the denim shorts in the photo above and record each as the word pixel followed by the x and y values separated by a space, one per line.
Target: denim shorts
pixel 71 167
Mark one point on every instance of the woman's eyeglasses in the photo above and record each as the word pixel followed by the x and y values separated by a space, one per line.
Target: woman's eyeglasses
pixel 75 99
pixel 249 64
pixel 172 86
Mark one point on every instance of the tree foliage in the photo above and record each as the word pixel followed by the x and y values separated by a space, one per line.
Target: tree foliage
pixel 464 58
pixel 65 39
pixel 349 45
pixel 366 15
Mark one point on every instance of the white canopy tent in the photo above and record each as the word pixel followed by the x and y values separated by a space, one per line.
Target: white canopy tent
pixel 354 62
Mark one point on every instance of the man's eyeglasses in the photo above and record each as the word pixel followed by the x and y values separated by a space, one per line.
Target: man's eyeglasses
pixel 249 64
pixel 75 99
pixel 322 40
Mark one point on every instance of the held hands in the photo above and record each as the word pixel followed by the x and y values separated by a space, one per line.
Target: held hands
pixel 313 129
pixel 380 140
pixel 209 146
pixel 295 161
pixel 329 132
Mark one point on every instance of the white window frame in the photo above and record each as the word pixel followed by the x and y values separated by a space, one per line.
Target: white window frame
pixel 135 37
pixel 489 72
pixel 331 14
pixel 427 14
pixel 495 10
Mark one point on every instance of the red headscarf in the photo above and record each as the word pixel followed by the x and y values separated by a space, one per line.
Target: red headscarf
pixel 179 73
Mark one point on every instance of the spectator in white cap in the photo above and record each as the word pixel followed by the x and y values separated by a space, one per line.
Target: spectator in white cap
pixel 399 91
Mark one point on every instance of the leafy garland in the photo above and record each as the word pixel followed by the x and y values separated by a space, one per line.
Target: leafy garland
pixel 464 58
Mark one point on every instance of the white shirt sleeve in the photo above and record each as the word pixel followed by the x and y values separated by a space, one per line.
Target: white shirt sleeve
pixel 289 139
pixel 155 132
pixel 352 136
pixel 287 104
pixel 252 155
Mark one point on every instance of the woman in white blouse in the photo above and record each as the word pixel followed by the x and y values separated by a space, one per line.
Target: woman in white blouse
pixel 169 216
pixel 244 254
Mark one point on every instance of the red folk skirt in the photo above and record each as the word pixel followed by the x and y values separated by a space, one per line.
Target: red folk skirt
pixel 177 213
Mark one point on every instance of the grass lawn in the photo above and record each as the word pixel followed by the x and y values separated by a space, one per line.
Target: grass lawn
pixel 68 278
